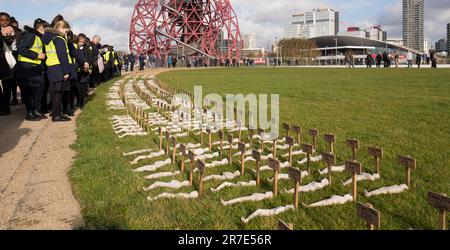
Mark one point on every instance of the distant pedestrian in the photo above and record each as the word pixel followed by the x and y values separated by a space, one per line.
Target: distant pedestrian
pixel 141 62
pixel 397 59
pixel 378 59
pixel 369 60
pixel 409 58
pixel 418 60
pixel 132 60
pixel 434 59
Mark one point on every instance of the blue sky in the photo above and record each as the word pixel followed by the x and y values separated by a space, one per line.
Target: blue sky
pixel 110 19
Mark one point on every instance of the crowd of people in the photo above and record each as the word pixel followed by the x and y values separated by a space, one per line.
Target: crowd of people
pixel 49 60
pixel 388 59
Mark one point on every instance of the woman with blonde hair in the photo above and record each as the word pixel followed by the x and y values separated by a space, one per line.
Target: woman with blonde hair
pixel 59 66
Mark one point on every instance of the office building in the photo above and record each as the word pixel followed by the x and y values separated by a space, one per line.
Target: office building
pixel 413 24
pixel 315 23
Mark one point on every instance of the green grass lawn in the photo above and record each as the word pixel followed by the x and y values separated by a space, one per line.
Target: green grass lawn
pixel 404 111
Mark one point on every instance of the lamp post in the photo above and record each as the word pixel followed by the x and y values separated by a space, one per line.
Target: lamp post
pixel 278 48
pixel 336 40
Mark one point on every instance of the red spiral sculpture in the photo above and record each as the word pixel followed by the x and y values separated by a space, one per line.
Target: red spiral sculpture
pixel 196 27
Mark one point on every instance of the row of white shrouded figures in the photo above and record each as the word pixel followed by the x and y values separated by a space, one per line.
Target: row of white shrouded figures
pixel 204 154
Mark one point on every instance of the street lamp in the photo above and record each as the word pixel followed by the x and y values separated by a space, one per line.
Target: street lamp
pixel 336 40
pixel 278 48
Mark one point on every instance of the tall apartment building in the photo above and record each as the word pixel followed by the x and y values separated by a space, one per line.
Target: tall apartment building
pixel 448 38
pixel 318 22
pixel 413 24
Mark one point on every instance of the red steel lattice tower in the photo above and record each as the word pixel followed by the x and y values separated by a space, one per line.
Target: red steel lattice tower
pixel 202 27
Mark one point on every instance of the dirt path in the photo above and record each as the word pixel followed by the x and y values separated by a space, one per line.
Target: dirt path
pixel 35 158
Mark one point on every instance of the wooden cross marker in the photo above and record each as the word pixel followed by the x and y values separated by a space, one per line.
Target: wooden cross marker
pixel 201 167
pixel 330 160
pixel 353 144
pixel 275 165
pixel 370 215
pixel 230 156
pixel 208 131
pixel 201 133
pixel 261 133
pixel 221 142
pixel 191 171
pixel 239 124
pixel 283 226
pixel 160 138
pixel 274 149
pixel 441 202
pixel 257 156
pixel 167 142
pixel 242 149
pixel 251 132
pixel 331 140
pixel 290 142
pixel 183 150
pixel 174 153
pixel 409 163
pixel 298 131
pixel 314 133
pixel 355 168
pixel 296 175
pixel 377 154
pixel 287 127
pixel 308 149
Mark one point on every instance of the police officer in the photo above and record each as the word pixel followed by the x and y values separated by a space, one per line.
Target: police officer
pixel 30 71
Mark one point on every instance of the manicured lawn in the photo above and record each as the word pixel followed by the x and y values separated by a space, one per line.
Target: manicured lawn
pixel 403 111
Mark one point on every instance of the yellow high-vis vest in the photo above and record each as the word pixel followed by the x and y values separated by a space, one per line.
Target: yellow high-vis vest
pixel 38 48
pixel 107 56
pixel 115 58
pixel 52 56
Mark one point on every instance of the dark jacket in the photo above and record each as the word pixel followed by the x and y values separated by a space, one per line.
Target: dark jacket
pixel 82 55
pixel 75 58
pixel 56 73
pixel 94 54
pixel 29 71
pixel 4 67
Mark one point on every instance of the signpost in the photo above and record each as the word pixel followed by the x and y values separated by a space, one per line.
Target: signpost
pixel 160 138
pixel 221 142
pixel 355 169
pixel 331 140
pixel 441 202
pixel 409 163
pixel 275 165
pixel 191 171
pixel 230 156
pixel 370 215
pixel 242 149
pixel 167 142
pixel 296 175
pixel 287 127
pixel 298 131
pixel 308 149
pixel 208 130
pixel 314 133
pixel 201 167
pixel 290 142
pixel 377 154
pixel 353 144
pixel 183 150
pixel 174 153
pixel 330 160
pixel 257 156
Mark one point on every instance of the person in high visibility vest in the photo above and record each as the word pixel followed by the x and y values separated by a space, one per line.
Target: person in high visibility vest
pixel 68 99
pixel 83 67
pixel 58 64
pixel 30 69
pixel 109 63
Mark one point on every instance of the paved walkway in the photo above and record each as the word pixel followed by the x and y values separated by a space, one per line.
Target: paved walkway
pixel 35 158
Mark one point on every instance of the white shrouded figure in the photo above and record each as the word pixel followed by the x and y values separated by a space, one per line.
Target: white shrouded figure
pixel 286 176
pixel 396 189
pixel 147 157
pixel 253 197
pixel 311 187
pixel 267 213
pixel 162 175
pixel 193 195
pixel 362 177
pixel 334 200
pixel 224 176
pixel 313 159
pixel 229 184
pixel 334 169
pixel 172 185
pixel 138 152
pixel 154 167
